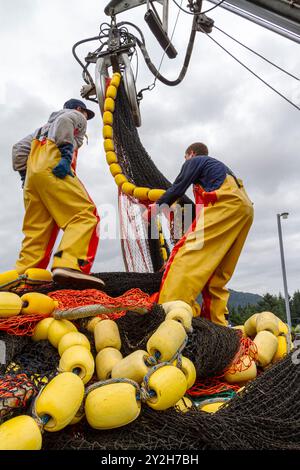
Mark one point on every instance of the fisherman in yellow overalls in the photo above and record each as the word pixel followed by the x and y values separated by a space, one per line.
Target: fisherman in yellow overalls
pixel 56 199
pixel 205 258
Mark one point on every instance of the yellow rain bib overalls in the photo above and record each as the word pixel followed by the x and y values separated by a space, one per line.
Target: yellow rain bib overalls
pixel 51 204
pixel 205 258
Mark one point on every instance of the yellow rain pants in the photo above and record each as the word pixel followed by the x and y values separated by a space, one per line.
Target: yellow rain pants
pixel 52 203
pixel 205 258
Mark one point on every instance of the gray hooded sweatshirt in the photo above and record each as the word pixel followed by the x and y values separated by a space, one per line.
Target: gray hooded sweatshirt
pixel 67 126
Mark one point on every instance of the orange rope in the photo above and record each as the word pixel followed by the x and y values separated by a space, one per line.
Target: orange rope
pixel 78 298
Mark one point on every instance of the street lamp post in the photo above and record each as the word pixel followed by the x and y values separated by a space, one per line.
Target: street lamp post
pixel 284 215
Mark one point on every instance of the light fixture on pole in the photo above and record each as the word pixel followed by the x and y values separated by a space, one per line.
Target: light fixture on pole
pixel 284 215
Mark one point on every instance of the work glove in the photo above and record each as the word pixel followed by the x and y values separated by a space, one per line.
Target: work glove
pixel 64 166
pixel 23 176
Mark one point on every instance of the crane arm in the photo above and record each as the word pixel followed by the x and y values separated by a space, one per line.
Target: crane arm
pixel 279 16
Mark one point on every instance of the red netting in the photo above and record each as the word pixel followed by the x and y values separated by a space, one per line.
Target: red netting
pixel 21 325
pixel 211 386
pixel 15 393
pixel 73 298
pixel 241 360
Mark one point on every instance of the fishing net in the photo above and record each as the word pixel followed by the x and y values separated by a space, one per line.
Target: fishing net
pixel 16 391
pixel 27 368
pixel 265 416
pixel 211 347
pixel 211 387
pixel 141 250
pixel 132 156
pixel 21 325
pixel 10 345
pixel 135 329
pixel 116 283
pixel 37 358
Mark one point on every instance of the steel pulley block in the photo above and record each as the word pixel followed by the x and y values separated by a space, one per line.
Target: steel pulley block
pixel 102 81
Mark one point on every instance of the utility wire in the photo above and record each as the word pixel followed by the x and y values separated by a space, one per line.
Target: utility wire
pixel 202 12
pixel 251 71
pixel 257 53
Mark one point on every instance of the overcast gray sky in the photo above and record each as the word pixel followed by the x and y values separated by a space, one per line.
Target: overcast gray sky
pixel 244 124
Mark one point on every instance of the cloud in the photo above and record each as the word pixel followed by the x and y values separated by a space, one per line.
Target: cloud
pixel 244 124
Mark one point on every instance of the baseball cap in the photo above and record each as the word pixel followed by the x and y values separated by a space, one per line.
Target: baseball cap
pixel 74 103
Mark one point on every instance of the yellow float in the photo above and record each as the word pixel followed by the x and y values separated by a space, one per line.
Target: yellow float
pixel 115 169
pixel 141 193
pixel 169 385
pixel 111 157
pixel 20 433
pixel 78 359
pixel 120 179
pixel 283 327
pixel 168 306
pixel 181 315
pixel 211 406
pixel 38 276
pixel 92 323
pixel 59 401
pixel 106 359
pixel 57 329
pixel 111 91
pixel 250 325
pixel 132 367
pixel 10 304
pixel 246 371
pixel 109 105
pixel 166 340
pixel 108 118
pixel 267 345
pixel 73 339
pixel 267 321
pixel 78 417
pixel 109 144
pixel 116 79
pixel 155 194
pixel 188 368
pixel 112 406
pixel 282 349
pixel 41 330
pixel 184 405
pixel 35 304
pixel 128 188
pixel 9 279
pixel 107 335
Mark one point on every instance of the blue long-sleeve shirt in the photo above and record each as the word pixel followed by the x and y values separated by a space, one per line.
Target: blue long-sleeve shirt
pixel 209 172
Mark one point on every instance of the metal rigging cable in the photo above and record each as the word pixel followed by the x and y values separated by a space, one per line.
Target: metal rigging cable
pixel 252 72
pixel 257 54
pixel 202 13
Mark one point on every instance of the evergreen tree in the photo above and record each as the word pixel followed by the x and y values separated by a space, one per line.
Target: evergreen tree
pixel 269 303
